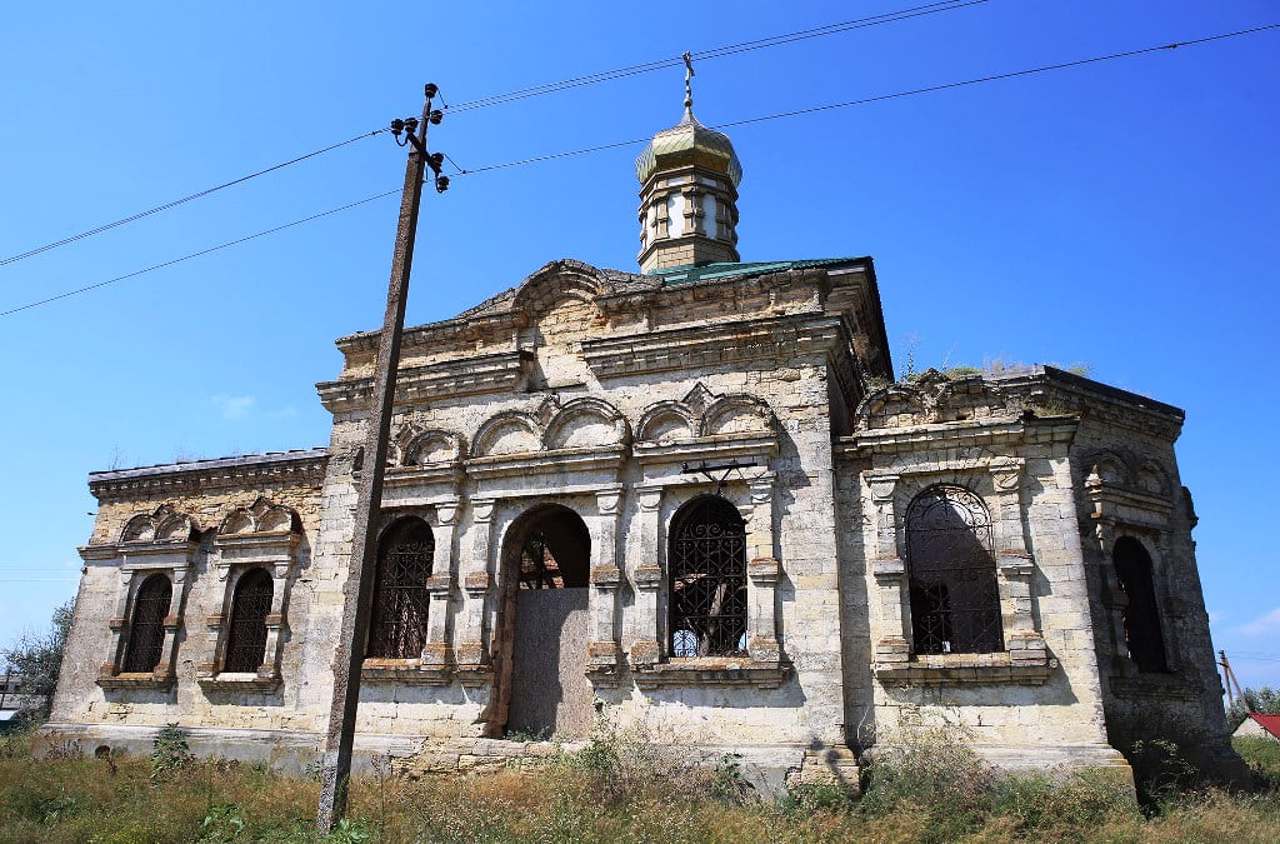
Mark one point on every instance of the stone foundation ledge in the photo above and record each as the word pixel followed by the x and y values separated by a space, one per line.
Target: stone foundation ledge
pixel 1043 758
pixel 770 769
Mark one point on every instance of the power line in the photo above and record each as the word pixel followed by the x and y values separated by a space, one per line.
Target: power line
pixel 523 93
pixel 715 53
pixel 181 200
pixel 633 141
pixel 895 95
pixel 188 257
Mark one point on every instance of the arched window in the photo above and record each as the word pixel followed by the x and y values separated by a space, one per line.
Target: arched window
pixel 1142 615
pixel 247 640
pixel 955 601
pixel 146 633
pixel 398 625
pixel 708 580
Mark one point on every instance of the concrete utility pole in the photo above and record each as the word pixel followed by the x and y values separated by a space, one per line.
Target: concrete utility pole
pixel 358 593
pixel 1229 675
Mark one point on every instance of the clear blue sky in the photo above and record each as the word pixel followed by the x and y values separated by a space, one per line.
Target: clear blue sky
pixel 1123 214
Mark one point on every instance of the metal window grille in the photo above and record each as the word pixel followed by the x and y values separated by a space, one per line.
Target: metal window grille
pixel 708 565
pixel 146 633
pixel 247 639
pixel 538 567
pixel 955 600
pixel 398 627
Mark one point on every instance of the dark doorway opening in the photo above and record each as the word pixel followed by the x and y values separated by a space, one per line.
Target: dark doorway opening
pixel 543 626
pixel 1143 637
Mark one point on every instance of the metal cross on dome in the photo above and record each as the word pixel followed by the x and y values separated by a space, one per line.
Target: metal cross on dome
pixel 688 81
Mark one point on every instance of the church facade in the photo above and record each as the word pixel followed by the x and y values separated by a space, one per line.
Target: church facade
pixel 692 500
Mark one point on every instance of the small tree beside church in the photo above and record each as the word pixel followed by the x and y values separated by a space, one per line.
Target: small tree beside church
pixel 38 658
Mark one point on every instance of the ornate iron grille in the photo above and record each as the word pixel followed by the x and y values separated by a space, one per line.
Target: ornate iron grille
pixel 247 640
pixel 538 567
pixel 955 601
pixel 146 634
pixel 398 626
pixel 708 565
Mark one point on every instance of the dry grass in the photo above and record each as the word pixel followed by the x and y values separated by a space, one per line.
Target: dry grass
pixel 614 791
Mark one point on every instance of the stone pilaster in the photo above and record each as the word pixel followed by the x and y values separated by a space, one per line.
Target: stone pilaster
pixel 478 583
pixel 647 579
pixel 890 572
pixel 763 571
pixel 1016 566
pixel 604 653
pixel 275 621
pixel 119 625
pixel 438 652
pixel 165 671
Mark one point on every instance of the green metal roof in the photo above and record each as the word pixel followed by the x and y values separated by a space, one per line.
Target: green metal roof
pixel 674 276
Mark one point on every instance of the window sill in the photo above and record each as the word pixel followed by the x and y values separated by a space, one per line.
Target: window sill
pixel 408 671
pixel 239 682
pixel 140 680
pixel 712 671
pixel 977 669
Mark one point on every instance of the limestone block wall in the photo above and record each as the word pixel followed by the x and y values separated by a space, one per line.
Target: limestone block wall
pixel 1129 484
pixel 805 707
pixel 592 390
pixel 207 492
pixel 1038 701
pixel 1064 710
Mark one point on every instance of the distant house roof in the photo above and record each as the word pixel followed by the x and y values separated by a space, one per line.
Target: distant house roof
pixel 1270 723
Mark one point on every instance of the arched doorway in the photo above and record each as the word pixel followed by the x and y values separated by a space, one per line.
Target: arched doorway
pixel 544 626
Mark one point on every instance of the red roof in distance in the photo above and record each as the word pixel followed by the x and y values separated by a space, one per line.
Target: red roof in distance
pixel 1270 723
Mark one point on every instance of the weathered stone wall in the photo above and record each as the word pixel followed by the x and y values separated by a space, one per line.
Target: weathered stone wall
pixel 1038 702
pixel 607 394
pixel 805 708
pixel 1146 501
pixel 208 496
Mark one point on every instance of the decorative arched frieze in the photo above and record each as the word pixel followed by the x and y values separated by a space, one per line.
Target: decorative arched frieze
pixel 164 524
pixel 1152 478
pixel 431 448
pixel 554 282
pixel 586 422
pixel 262 536
pixel 509 432
pixel 707 427
pixel 261 517
pixel 1106 468
pixel 894 406
pixel 162 543
pixel 584 435
pixel 934 398
pixel 736 414
pixel 974 397
pixel 667 422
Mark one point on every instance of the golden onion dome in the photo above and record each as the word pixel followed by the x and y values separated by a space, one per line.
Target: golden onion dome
pixel 689 142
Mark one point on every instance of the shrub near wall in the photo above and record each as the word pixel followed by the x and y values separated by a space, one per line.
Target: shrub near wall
pixel 613 790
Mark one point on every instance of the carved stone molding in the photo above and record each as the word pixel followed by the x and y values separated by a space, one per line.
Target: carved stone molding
pixel 496 373
pixel 762 674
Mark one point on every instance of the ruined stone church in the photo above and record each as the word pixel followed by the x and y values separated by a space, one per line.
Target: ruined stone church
pixel 692 499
